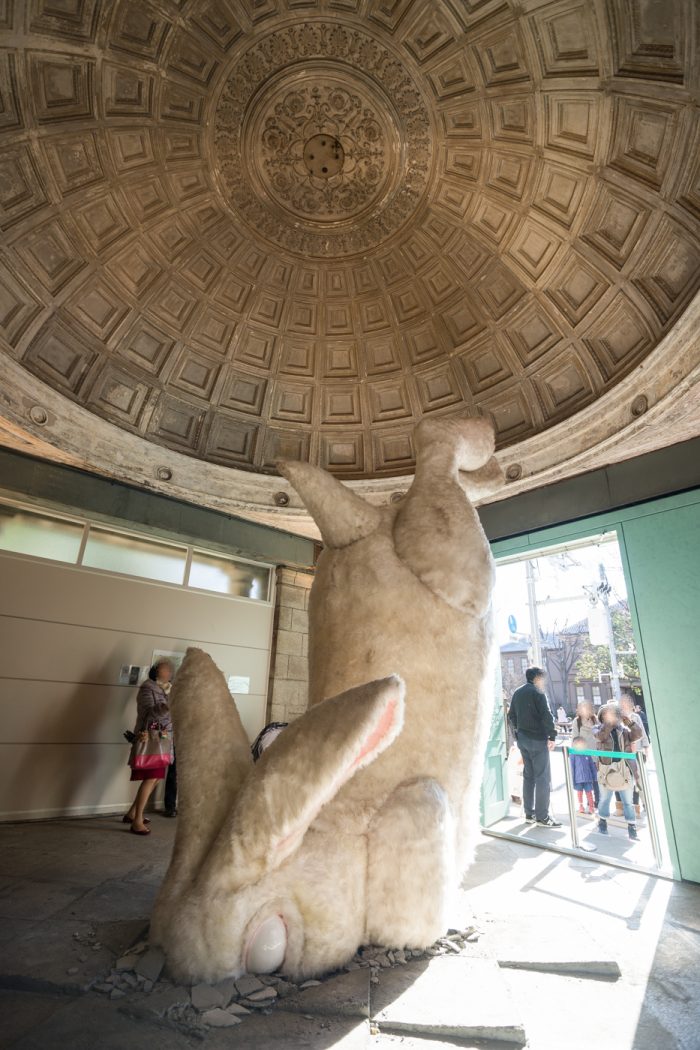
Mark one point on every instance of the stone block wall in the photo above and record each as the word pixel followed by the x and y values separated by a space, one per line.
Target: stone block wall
pixel 289 675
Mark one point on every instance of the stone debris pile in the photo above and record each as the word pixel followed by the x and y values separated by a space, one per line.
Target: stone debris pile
pixel 455 942
pixel 138 978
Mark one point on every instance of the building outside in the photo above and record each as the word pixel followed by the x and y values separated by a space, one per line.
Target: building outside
pixel 576 669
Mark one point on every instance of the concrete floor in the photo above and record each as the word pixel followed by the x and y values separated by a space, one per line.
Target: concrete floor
pixel 75 894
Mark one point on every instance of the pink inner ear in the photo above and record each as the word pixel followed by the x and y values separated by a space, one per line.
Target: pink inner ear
pixel 381 729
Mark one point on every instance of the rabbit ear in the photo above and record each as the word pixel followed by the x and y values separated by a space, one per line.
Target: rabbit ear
pixel 302 771
pixel 437 533
pixel 342 516
pixel 213 759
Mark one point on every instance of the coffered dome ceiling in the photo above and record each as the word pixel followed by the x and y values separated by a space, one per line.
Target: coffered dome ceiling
pixel 253 229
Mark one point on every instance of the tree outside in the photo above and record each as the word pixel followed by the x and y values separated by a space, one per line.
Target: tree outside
pixel 571 660
pixel 594 660
pixel 561 655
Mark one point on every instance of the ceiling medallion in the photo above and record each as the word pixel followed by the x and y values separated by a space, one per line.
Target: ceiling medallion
pixel 326 151
pixel 313 97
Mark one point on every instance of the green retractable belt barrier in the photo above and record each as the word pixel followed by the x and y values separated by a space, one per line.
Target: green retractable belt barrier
pixel 604 754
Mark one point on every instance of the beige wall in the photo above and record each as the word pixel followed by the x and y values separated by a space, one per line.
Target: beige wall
pixel 64 634
pixel 289 682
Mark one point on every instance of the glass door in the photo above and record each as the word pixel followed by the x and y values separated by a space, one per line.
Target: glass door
pixel 565 609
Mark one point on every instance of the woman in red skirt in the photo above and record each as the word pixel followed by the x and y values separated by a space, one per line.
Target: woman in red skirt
pixel 153 706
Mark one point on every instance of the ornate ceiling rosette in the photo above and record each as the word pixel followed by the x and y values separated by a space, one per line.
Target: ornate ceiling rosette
pixel 239 230
pixel 323 140
pixel 324 152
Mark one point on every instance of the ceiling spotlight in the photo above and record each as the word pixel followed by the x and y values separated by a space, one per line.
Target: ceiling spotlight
pixel 281 498
pixel 164 473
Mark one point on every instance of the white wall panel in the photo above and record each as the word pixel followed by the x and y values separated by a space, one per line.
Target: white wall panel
pixel 64 634
pixel 73 653
pixel 50 780
pixel 84 713
pixel 70 594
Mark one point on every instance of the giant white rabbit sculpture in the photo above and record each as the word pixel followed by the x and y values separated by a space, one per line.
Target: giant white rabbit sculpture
pixel 355 824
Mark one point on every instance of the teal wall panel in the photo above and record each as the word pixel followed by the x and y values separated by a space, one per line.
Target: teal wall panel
pixel 663 553
pixel 660 547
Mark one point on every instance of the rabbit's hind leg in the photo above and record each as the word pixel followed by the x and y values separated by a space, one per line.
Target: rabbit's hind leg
pixel 411 868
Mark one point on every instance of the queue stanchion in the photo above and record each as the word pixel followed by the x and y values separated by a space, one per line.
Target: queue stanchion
pixel 585 846
pixel 570 797
pixel 651 815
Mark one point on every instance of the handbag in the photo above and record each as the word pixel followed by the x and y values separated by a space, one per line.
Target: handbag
pixel 616 776
pixel 152 749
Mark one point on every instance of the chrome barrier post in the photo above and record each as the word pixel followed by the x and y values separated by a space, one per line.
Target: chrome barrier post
pixel 570 797
pixel 585 846
pixel 653 826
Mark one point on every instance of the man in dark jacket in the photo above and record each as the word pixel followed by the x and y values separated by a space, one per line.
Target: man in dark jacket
pixel 533 725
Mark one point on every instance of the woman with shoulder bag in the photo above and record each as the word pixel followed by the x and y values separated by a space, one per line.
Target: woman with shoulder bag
pixel 152 749
pixel 616 733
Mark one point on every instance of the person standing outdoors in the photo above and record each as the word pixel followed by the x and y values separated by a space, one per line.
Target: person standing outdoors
pixel 619 733
pixel 532 721
pixel 629 711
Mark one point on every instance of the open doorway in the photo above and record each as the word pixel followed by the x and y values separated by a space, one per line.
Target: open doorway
pixel 565 609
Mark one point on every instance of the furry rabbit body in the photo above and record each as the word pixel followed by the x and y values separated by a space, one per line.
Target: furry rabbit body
pixel 354 826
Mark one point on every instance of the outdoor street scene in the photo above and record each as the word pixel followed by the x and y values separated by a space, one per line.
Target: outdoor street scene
pixel 567 611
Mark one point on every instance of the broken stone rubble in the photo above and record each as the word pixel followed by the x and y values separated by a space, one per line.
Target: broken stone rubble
pixel 138 974
pixel 219 1018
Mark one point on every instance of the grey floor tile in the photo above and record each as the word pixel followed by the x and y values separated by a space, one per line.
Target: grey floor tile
pixel 287 1031
pixel 94 1023
pixel 34 900
pixel 346 995
pixel 23 1011
pixel 113 901
pixel 449 996
pixel 551 943
pixel 43 953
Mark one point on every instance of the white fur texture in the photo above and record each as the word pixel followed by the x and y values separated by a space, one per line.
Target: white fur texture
pixel 355 824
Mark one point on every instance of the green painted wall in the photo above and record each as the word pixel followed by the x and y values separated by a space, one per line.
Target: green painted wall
pixel 663 553
pixel 660 546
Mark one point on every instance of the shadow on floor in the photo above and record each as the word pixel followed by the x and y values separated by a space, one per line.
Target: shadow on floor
pixel 671 1001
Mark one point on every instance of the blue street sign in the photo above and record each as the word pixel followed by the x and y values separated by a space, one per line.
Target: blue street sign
pixel 512 624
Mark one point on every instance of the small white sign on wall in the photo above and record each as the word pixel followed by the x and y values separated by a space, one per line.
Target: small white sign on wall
pixel 129 674
pixel 238 684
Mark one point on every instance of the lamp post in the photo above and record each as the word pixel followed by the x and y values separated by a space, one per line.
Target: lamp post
pixel 532 605
pixel 604 590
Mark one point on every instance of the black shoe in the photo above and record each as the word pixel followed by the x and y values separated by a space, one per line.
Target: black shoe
pixel 530 819
pixel 548 822
pixel 169 812
pixel 632 832
pixel 602 826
